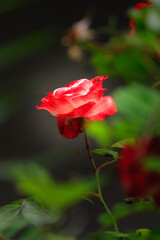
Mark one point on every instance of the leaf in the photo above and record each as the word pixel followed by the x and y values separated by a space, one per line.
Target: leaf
pixel 103 63
pixel 156 3
pixel 139 111
pixel 51 236
pixel 123 142
pixel 36 182
pixel 121 211
pixel 117 234
pixel 8 214
pixel 143 206
pixel 136 101
pixel 34 213
pixel 152 163
pixel 131 65
pixel 153 19
pixel 154 234
pixel 100 131
pixel 16 226
pixel 33 233
pixel 105 152
pixel 105 219
pixel 143 233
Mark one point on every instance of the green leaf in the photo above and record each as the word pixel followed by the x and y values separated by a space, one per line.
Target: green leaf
pixel 58 237
pixel 34 213
pixel 36 182
pixel 117 234
pixel 123 142
pixel 121 211
pixel 8 214
pixel 16 226
pixel 153 19
pixel 103 62
pixel 143 233
pixel 131 65
pixel 33 233
pixel 105 152
pixel 156 3
pixel 139 111
pixel 143 206
pixel 100 131
pixel 136 101
pixel 152 163
pixel 154 234
pixel 105 219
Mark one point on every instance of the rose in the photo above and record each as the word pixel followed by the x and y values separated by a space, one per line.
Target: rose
pixel 80 99
pixel 136 179
pixel 138 7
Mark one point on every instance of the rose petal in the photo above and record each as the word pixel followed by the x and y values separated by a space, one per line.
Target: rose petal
pixel 106 107
pixel 141 5
pixel 79 112
pixel 132 25
pixel 80 87
pixel 90 97
pixel 55 106
pixel 136 180
pixel 97 83
pixel 69 128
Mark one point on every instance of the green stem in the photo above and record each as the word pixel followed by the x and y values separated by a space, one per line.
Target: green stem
pixel 88 146
pixel 100 196
pixel 104 203
pixel 105 164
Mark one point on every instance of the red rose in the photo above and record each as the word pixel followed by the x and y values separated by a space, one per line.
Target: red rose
pixel 138 7
pixel 141 5
pixel 80 99
pixel 136 180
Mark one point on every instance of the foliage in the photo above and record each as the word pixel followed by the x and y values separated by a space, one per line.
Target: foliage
pixel 135 60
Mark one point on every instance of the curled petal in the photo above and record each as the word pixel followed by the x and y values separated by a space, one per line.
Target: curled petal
pixel 97 83
pixel 54 106
pixel 69 128
pixel 79 112
pixel 105 107
pixel 80 87
pixel 101 78
pixel 90 97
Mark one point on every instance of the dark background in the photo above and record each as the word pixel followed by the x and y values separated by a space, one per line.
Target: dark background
pixel 28 70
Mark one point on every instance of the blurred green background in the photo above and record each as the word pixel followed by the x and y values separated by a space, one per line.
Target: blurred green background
pixel 35 160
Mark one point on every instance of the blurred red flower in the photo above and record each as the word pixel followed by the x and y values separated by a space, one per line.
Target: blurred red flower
pixel 141 5
pixel 138 7
pixel 136 179
pixel 80 99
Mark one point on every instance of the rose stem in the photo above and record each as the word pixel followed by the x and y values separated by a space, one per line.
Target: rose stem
pixel 96 170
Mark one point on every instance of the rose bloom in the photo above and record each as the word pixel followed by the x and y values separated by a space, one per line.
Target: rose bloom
pixel 136 179
pixel 138 7
pixel 80 99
